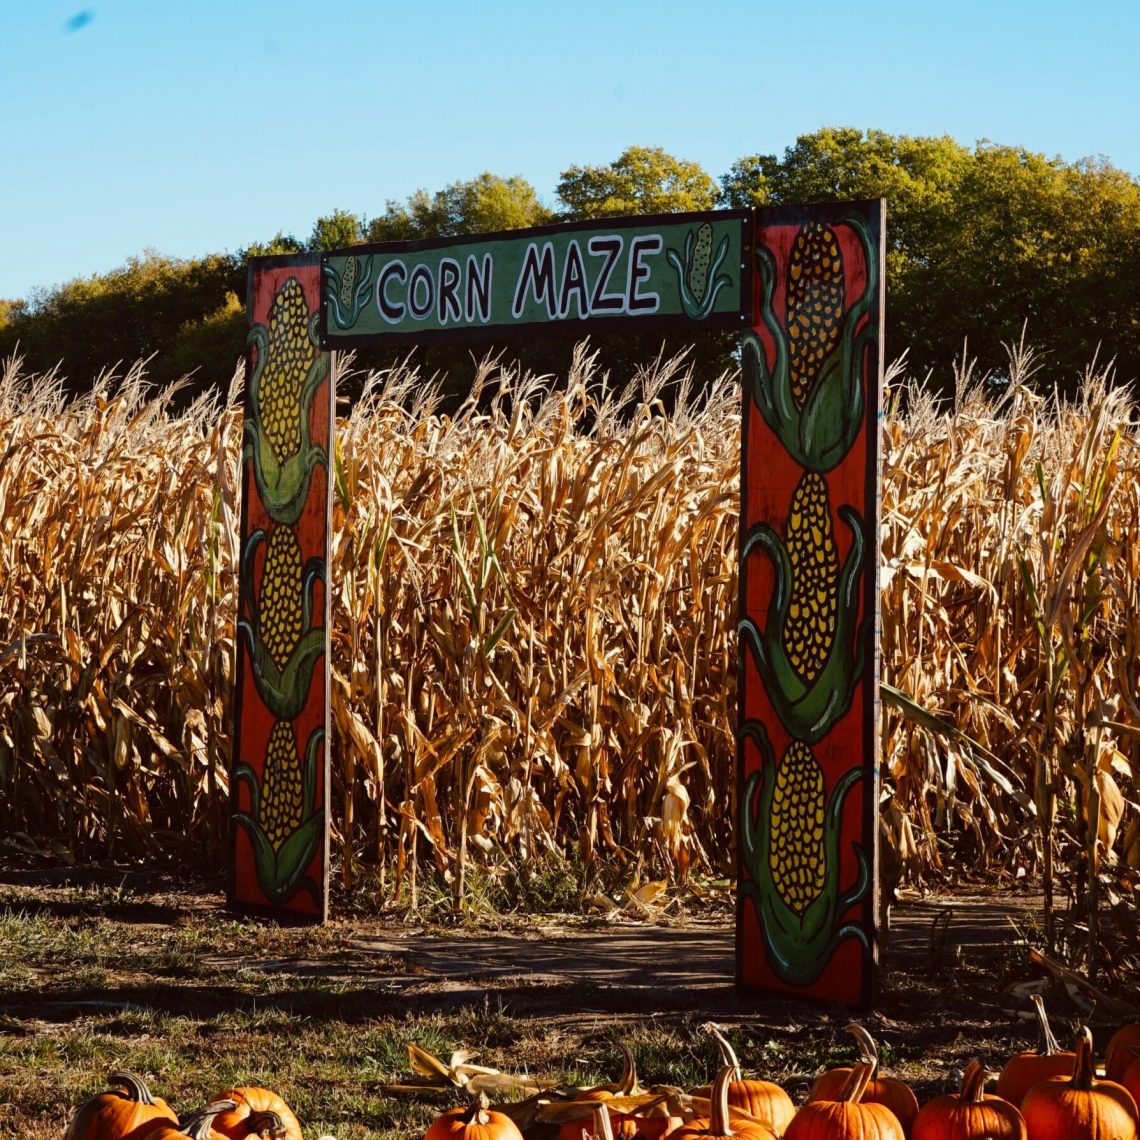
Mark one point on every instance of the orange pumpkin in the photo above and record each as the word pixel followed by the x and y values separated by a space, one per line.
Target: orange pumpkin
pixel 847 1117
pixel 630 1126
pixel 720 1124
pixel 1131 1079
pixel 1123 1049
pixel 1080 1107
pixel 197 1127
pixel 475 1122
pixel 764 1100
pixel 1032 1066
pixel 887 1091
pixel 253 1113
pixel 652 1123
pixel 122 1113
pixel 970 1114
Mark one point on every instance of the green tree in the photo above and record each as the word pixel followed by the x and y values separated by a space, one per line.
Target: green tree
pixel 335 231
pixel 278 244
pixel 132 312
pixel 979 242
pixel 641 180
pixel 208 348
pixel 484 204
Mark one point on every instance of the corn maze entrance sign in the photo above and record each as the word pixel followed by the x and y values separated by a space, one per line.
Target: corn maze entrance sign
pixel 617 275
pixel 804 287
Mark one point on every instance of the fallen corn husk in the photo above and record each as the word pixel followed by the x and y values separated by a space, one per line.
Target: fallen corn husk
pixel 459 1073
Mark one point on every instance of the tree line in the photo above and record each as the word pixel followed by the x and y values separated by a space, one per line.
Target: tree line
pixel 981 241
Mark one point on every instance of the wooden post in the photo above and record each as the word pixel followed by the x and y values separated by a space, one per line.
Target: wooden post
pixel 279 770
pixel 807 803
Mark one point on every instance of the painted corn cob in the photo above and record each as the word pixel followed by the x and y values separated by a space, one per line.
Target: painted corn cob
pixel 348 290
pixel 808 384
pixel 283 828
pixel 284 645
pixel 810 653
pixel 789 832
pixel 809 632
pixel 279 601
pixel 288 357
pixel 797 856
pixel 281 786
pixel 815 292
pixel 702 256
pixel 287 373
pixel 699 279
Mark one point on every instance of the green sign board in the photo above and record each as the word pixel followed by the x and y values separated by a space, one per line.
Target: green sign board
pixel 611 275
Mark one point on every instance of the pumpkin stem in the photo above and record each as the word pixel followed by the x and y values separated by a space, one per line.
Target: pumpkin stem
pixel 1047 1043
pixel 973 1083
pixel 856 1083
pixel 718 1117
pixel 1084 1075
pixel 603 1129
pixel 197 1127
pixel 628 1085
pixel 477 1113
pixel 868 1050
pixel 727 1053
pixel 135 1086
pixel 266 1122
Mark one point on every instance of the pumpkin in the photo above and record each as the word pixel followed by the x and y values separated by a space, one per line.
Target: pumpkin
pixel 252 1112
pixel 1131 1079
pixel 197 1127
pixel 720 1124
pixel 122 1113
pixel 1032 1066
pixel 475 1122
pixel 627 1086
pixel 971 1114
pixel 847 1117
pixel 764 1100
pixel 1080 1107
pixel 652 1123
pixel 893 1094
pixel 1123 1049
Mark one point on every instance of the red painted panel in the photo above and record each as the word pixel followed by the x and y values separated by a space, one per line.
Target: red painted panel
pixel 808 773
pixel 279 771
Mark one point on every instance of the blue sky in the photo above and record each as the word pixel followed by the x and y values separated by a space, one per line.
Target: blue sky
pixel 205 125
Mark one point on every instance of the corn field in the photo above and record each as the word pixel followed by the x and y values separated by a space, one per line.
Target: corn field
pixel 534 601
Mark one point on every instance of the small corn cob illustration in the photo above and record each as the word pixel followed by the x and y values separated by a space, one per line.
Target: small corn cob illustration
pixel 702 258
pixel 281 786
pixel 810 629
pixel 283 644
pixel 288 371
pixel 808 380
pixel 347 290
pixel 815 305
pixel 797 856
pixel 698 277
pixel 288 357
pixel 279 602
pixel 810 654
pixel 790 832
pixel 347 280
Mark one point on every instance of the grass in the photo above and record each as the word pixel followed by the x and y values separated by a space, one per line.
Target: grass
pixel 165 984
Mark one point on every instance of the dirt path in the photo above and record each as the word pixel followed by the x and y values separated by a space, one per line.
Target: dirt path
pixel 682 967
